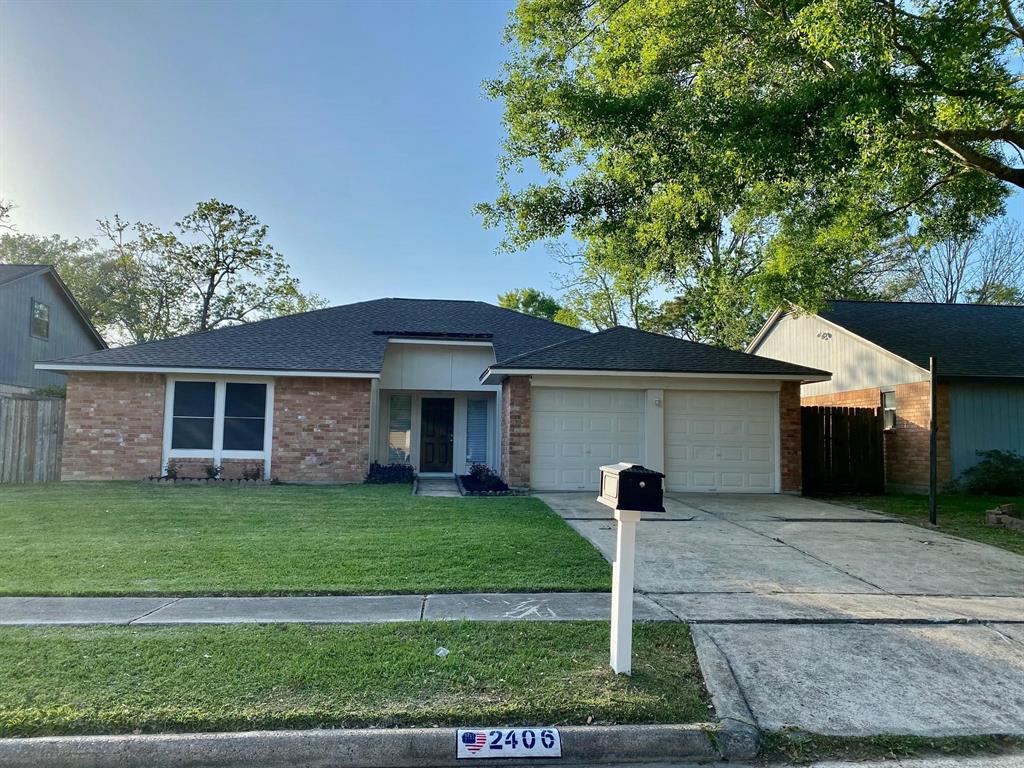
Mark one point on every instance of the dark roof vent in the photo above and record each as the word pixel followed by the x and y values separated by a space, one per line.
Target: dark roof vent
pixel 436 335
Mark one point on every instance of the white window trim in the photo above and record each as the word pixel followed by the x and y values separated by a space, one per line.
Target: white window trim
pixel 218 454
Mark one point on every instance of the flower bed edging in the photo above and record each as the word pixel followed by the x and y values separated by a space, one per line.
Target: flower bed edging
pixel 509 492
pixel 207 481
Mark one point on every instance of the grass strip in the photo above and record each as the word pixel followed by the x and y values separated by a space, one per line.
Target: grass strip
pixel 223 678
pixel 798 747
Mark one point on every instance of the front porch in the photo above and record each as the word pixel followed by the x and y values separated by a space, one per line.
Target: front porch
pixel 437 432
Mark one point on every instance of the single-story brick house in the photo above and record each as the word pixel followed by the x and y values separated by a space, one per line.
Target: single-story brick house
pixel 878 353
pixel 437 384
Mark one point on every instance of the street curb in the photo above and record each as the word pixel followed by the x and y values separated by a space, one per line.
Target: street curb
pixel 739 737
pixel 353 748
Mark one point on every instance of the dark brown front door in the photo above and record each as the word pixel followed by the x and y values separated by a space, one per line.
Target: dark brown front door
pixel 436 436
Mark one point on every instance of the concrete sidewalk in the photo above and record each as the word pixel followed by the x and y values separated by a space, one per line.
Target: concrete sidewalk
pixel 355 609
pixel 770 608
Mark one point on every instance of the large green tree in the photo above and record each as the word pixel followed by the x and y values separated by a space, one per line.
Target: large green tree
pixel 838 128
pixel 140 283
pixel 530 301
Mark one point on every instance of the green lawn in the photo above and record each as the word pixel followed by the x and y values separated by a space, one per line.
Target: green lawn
pixel 118 679
pixel 140 539
pixel 958 514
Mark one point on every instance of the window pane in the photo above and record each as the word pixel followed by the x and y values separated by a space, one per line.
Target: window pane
pixel 40 319
pixel 245 400
pixel 192 433
pixel 888 399
pixel 399 426
pixel 193 398
pixel 476 431
pixel 243 434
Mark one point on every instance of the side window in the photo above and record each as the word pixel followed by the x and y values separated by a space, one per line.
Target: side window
pixel 40 320
pixel 889 410
pixel 476 431
pixel 399 429
pixel 193 415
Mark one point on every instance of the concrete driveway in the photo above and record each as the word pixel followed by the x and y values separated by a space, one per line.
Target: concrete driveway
pixel 832 619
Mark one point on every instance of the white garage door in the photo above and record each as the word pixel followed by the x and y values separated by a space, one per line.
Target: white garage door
pixel 574 431
pixel 720 441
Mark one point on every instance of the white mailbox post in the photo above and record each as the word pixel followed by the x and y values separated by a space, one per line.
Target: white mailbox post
pixel 629 490
pixel 622 591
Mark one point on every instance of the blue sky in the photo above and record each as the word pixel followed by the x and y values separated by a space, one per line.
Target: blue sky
pixel 357 131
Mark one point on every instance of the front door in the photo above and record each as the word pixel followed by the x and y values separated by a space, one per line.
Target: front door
pixel 436 434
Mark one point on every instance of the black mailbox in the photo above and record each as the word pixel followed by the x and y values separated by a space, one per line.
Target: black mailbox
pixel 631 486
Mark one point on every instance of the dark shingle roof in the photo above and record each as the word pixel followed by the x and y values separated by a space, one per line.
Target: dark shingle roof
pixel 966 339
pixel 9 272
pixel 346 338
pixel 627 349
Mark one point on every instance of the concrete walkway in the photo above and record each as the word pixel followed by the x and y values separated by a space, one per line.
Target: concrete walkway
pixel 437 486
pixel 804 608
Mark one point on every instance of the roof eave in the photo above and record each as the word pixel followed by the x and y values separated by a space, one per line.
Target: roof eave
pixel 496 374
pixel 200 370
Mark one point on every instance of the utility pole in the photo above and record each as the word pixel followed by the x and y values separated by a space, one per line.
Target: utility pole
pixel 933 441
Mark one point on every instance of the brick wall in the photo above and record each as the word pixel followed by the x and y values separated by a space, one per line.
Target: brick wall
pixel 906 446
pixel 321 430
pixel 789 437
pixel 233 469
pixel 515 430
pixel 113 426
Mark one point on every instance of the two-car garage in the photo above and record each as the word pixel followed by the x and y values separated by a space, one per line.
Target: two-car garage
pixel 703 439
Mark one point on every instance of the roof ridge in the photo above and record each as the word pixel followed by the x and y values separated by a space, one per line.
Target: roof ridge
pixel 584 335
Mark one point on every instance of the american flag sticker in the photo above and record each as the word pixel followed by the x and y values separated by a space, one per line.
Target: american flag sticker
pixel 472 741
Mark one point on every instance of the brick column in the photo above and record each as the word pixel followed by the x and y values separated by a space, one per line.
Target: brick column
pixel 907 446
pixel 515 430
pixel 113 426
pixel 789 437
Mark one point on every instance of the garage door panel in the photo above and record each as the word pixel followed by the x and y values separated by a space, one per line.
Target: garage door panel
pixel 719 441
pixel 584 429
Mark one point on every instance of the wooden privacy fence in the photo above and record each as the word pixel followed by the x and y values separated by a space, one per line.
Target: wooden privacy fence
pixel 31 432
pixel 842 450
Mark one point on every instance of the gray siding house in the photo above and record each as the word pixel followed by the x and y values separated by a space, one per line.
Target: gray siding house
pixel 878 353
pixel 39 320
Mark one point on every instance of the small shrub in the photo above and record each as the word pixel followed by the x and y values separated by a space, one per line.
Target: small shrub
pixel 213 471
pixel 999 473
pixel 383 474
pixel 481 472
pixel 482 478
pixel 171 472
pixel 254 473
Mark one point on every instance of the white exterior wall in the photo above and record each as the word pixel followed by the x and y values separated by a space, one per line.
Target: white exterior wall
pixel 450 368
pixel 855 363
pixel 423 370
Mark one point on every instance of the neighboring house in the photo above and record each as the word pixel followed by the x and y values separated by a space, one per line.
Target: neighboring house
pixel 317 397
pixel 878 353
pixel 40 320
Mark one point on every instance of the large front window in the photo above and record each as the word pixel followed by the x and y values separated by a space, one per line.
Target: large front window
pixel 218 418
